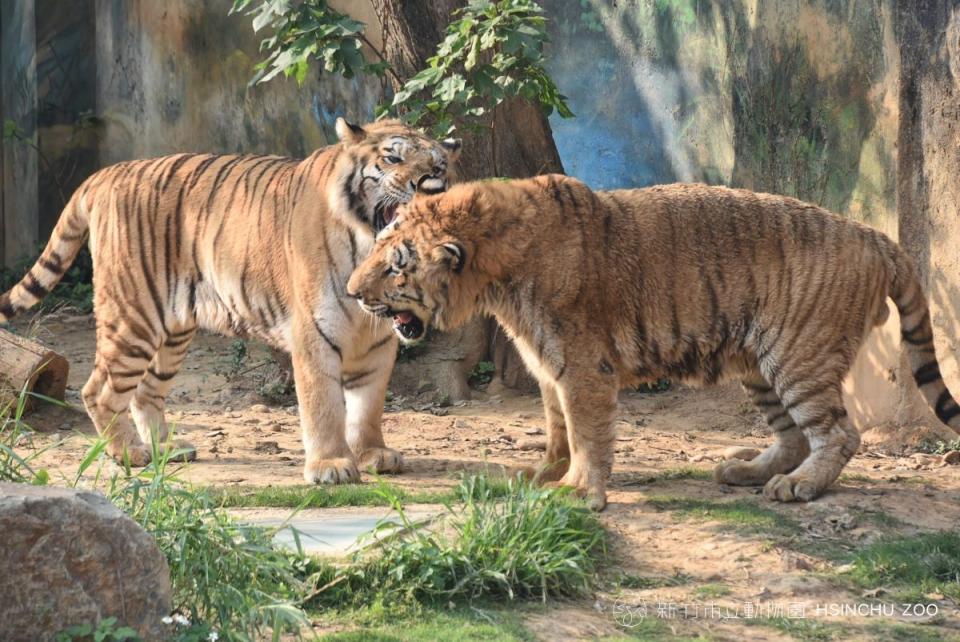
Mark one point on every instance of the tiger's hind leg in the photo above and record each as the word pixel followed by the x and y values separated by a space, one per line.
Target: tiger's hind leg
pixel 789 450
pixel 121 360
pixel 816 406
pixel 148 404
pixel 557 460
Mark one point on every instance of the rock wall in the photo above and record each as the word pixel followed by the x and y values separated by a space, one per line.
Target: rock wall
pixel 802 98
pixel 172 76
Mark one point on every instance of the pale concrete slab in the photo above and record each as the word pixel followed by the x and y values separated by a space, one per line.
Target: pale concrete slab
pixel 329 531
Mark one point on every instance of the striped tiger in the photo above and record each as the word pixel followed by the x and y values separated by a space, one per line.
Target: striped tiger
pixel 606 290
pixel 250 246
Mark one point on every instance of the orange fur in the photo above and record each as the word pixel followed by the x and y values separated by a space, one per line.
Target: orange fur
pixel 253 246
pixel 605 290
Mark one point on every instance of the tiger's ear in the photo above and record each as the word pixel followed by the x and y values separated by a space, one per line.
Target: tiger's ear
pixel 349 133
pixel 452 145
pixel 451 253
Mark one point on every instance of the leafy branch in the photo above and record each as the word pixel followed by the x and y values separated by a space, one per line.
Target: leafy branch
pixel 305 30
pixel 491 52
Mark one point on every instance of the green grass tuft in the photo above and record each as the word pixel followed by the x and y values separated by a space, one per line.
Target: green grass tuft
pixel 804 629
pixel 742 515
pixel 458 625
pixel 226 576
pixel 304 496
pixel 16 434
pixel 915 564
pixel 709 591
pixel 630 581
pixel 533 542
pixel 672 474
pixel 886 631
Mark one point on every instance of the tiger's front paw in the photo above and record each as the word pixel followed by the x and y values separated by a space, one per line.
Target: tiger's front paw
pixel 136 455
pixel 381 460
pixel 791 488
pixel 340 470
pixel 594 494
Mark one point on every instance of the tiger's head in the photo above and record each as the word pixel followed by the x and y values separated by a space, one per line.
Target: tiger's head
pixel 382 166
pixel 420 272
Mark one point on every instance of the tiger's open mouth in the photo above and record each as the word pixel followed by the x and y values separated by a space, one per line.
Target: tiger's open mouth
pixel 408 326
pixel 383 215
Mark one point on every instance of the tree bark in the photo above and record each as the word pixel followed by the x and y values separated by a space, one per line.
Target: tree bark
pixel 928 180
pixel 515 142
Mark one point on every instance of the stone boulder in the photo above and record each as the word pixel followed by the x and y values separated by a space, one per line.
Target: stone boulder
pixel 71 557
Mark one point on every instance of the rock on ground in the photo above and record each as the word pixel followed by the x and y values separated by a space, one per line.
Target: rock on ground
pixel 71 557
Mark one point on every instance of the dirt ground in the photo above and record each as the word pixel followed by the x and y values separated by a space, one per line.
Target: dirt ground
pixel 698 563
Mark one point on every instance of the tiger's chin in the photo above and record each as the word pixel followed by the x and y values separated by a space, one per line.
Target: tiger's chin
pixel 409 327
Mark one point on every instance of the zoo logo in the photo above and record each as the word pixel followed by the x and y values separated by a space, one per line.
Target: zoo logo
pixel 629 615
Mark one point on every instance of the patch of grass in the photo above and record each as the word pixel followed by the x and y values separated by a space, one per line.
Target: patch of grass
pixel 708 591
pixel 237 355
pixel 804 629
pixel 937 447
pixel 458 625
pixel 741 515
pixel 534 542
pixel 482 373
pixel 913 564
pixel 226 577
pixel 651 629
pixel 880 518
pixel 106 631
pixel 630 581
pixel 672 474
pixel 886 631
pixel 16 434
pixel 304 496
pixel 321 496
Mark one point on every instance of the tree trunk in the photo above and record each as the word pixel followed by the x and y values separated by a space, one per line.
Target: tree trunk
pixel 28 365
pixel 515 142
pixel 928 180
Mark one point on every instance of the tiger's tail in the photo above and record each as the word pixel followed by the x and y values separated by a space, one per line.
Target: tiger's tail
pixel 916 334
pixel 65 242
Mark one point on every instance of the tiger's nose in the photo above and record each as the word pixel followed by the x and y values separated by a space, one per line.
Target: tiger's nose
pixel 431 184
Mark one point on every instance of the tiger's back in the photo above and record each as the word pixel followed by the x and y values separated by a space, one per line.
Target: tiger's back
pixel 723 271
pixel 201 235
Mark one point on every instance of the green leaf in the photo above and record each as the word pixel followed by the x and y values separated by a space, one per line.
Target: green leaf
pixel 448 89
pixel 474 53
